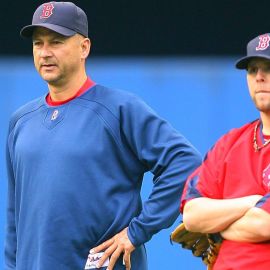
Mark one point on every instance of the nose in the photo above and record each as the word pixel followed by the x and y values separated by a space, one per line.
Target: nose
pixel 260 75
pixel 45 51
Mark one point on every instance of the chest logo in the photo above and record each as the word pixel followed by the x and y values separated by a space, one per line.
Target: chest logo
pixel 266 177
pixel 54 115
pixel 47 11
pixel 263 43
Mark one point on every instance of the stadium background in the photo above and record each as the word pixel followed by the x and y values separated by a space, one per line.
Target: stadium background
pixel 177 55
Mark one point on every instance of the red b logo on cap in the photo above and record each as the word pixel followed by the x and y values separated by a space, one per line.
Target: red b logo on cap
pixel 47 11
pixel 263 43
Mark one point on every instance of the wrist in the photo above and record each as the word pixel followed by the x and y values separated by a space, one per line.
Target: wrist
pixel 264 203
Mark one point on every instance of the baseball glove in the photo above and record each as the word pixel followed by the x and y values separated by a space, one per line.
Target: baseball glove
pixel 202 245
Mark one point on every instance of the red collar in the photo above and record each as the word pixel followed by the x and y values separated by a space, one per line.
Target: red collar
pixel 87 85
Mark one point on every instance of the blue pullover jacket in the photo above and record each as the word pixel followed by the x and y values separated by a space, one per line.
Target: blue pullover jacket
pixel 75 175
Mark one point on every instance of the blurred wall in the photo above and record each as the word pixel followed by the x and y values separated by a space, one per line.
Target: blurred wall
pixel 201 97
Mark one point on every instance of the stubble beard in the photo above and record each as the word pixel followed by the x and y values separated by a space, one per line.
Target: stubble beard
pixel 52 79
pixel 262 105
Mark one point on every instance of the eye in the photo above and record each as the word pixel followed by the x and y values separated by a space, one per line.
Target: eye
pixel 252 70
pixel 267 69
pixel 56 42
pixel 36 43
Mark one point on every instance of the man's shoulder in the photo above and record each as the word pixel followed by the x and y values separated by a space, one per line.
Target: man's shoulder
pixel 242 131
pixel 115 100
pixel 232 140
pixel 236 135
pixel 104 94
pixel 27 108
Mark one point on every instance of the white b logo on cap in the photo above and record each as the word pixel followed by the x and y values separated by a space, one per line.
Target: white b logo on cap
pixel 263 43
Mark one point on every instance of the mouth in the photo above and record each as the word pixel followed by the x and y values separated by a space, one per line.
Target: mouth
pixel 262 92
pixel 47 66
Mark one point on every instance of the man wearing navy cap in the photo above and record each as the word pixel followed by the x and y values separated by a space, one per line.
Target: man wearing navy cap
pixel 76 159
pixel 230 192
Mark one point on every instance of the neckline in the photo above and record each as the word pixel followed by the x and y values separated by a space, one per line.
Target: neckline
pixel 256 146
pixel 87 85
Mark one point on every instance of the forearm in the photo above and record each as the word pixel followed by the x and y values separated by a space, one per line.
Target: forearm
pixel 162 207
pixel 254 226
pixel 213 215
pixel 159 212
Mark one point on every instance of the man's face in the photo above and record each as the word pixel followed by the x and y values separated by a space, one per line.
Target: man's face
pixel 57 58
pixel 258 78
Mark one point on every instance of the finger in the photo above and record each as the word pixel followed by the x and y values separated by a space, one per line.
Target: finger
pixel 102 246
pixel 107 254
pixel 126 260
pixel 114 258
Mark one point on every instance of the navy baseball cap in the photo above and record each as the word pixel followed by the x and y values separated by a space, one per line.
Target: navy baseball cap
pixel 64 18
pixel 257 47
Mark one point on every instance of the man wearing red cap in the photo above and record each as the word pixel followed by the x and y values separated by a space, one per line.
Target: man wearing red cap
pixel 76 159
pixel 229 193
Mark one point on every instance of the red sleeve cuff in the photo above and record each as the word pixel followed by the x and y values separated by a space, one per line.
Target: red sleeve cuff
pixel 264 203
pixel 183 203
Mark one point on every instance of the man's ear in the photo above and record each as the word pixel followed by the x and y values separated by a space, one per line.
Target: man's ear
pixel 85 47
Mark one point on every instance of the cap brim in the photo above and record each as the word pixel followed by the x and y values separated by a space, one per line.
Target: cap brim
pixel 242 63
pixel 28 30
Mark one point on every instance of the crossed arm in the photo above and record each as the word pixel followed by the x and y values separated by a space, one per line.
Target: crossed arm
pixel 254 226
pixel 236 219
